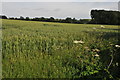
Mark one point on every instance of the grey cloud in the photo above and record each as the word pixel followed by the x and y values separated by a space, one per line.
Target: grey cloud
pixel 39 9
pixel 59 0
pixel 56 10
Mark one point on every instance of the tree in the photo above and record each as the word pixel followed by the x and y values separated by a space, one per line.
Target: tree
pixel 11 18
pixel 105 17
pixel 27 18
pixel 16 18
pixel 74 20
pixel 51 19
pixel 85 21
pixel 68 20
pixel 21 18
pixel 3 17
pixel 42 19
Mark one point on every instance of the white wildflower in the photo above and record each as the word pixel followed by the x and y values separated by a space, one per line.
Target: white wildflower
pixel 102 26
pixel 78 42
pixel 117 46
pixel 95 50
pixel 96 55
pixel 117 64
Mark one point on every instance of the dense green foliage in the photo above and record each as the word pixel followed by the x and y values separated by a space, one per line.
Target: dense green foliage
pixel 51 19
pixel 51 50
pixel 3 17
pixel 105 17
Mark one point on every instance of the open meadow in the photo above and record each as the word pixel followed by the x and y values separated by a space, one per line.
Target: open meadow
pixel 32 49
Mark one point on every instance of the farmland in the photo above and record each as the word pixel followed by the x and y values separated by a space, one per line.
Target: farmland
pixel 32 49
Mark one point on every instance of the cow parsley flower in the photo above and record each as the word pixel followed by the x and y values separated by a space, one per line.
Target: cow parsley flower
pixel 95 50
pixel 117 46
pixel 102 26
pixel 81 42
pixel 96 55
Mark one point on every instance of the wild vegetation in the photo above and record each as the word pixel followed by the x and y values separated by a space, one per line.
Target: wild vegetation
pixel 59 50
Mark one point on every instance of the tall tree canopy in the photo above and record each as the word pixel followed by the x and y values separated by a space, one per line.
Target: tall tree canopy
pixel 105 17
pixel 3 17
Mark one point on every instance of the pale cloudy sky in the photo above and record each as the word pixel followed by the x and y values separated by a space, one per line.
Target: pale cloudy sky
pixel 59 0
pixel 56 9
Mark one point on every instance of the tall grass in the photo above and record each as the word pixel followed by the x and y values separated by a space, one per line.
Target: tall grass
pixel 47 50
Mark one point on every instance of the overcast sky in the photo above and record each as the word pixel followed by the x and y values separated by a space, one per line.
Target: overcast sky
pixel 55 9
pixel 59 0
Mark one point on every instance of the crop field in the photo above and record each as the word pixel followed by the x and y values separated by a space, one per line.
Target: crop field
pixel 32 49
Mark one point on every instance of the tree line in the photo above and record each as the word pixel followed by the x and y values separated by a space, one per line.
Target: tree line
pixel 51 19
pixel 97 17
pixel 105 17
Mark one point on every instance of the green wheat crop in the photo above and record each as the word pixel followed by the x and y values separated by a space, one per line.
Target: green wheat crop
pixel 48 50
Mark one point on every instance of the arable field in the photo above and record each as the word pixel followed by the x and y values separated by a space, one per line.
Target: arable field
pixel 59 50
